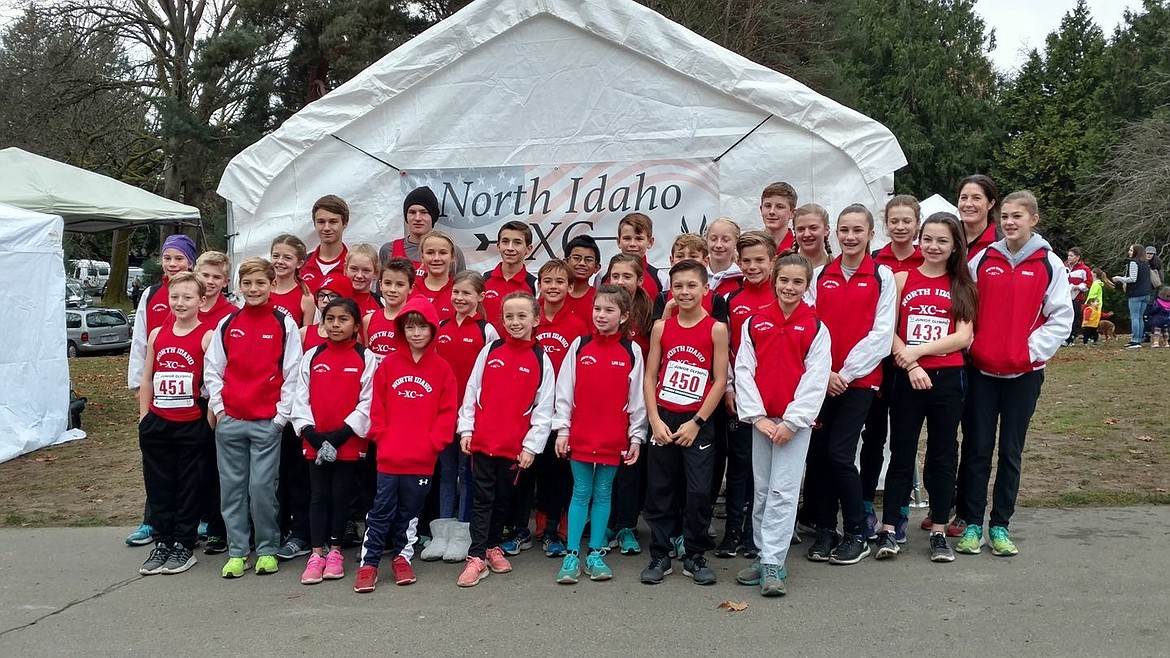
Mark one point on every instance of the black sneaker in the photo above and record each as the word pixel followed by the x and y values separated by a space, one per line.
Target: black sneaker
pixel 851 550
pixel 886 546
pixel 352 537
pixel 823 545
pixel 696 567
pixel 940 550
pixel 215 545
pixel 749 548
pixel 729 546
pixel 154 563
pixel 658 569
pixel 294 547
pixel 179 560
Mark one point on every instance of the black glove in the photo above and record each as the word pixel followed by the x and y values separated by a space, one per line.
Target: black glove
pixel 314 437
pixel 339 436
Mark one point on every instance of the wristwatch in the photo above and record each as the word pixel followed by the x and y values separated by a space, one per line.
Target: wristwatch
pixel 699 420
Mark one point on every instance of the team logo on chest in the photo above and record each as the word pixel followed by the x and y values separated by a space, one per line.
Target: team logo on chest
pixel 588 360
pixel 321 368
pixel 496 363
pixel 236 333
pixel 443 339
pixel 411 387
pixel 160 308
pixel 830 284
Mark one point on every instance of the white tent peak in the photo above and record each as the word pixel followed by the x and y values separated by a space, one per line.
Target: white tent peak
pixel 622 23
pixel 87 201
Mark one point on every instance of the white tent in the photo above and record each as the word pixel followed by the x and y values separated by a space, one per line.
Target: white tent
pixel 935 203
pixel 528 109
pixel 34 373
pixel 88 202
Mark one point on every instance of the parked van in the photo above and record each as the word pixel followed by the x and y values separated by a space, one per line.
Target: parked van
pixel 93 274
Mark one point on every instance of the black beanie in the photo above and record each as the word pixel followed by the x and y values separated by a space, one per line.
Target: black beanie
pixel 422 196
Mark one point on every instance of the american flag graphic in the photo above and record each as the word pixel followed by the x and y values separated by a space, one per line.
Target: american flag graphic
pixel 562 201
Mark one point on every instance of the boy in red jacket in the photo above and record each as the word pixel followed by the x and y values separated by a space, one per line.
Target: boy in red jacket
pixel 411 419
pixel 504 423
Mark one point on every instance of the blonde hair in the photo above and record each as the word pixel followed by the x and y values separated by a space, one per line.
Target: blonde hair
pixel 216 259
pixel 257 266
pixel 187 277
pixel 756 239
pixel 735 231
pixel 1028 201
pixel 436 235
pixel 367 250
pixel 691 242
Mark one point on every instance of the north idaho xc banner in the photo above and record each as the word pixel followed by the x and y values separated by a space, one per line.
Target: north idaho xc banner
pixel 560 202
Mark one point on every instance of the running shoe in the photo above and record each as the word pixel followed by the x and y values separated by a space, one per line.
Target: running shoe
pixel 900 529
pixel 956 527
pixel 658 569
pixel 293 548
pixel 972 540
pixel 886 546
pixel 497 562
pixel 521 541
pixel 403 573
pixel 627 542
pixel 554 546
pixel 154 563
pixel 940 551
pixel 215 545
pixel 851 550
pixel 596 567
pixel 334 566
pixel 772 580
pixel 234 568
pixel 823 545
pixel 266 564
pixel 927 523
pixel 570 570
pixel 750 575
pixel 1001 544
pixel 729 546
pixel 314 570
pixel 367 579
pixel 475 571
pixel 179 560
pixel 696 567
pixel 140 537
pixel 872 526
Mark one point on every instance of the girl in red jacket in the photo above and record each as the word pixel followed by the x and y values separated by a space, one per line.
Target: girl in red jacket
pixel 855 299
pixel 504 423
pixel 781 373
pixel 604 372
pixel 438 254
pixel 363 269
pixel 412 418
pixel 291 295
pixel 331 414
pixel 1025 313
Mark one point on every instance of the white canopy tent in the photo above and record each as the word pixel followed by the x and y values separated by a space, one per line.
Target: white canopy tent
pixel 88 202
pixel 34 373
pixel 936 203
pixel 509 87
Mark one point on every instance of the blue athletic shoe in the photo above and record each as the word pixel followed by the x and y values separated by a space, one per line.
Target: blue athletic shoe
pixel 520 541
pixel 900 529
pixel 141 536
pixel 570 570
pixel 627 542
pixel 554 546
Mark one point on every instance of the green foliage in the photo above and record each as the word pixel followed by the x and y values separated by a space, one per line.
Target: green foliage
pixel 921 68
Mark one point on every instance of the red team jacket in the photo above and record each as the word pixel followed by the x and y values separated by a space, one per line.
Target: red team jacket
pixel 509 400
pixel 605 374
pixel 335 388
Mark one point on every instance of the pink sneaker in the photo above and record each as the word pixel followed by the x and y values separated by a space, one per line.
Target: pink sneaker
pixel 497 562
pixel 334 566
pixel 314 570
pixel 474 572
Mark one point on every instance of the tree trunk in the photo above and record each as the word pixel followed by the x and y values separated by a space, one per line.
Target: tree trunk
pixel 119 269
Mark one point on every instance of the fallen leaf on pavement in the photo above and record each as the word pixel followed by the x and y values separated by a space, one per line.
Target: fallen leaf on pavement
pixel 732 606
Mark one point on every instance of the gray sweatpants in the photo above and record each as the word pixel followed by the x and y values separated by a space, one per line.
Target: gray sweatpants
pixel 248 455
pixel 776 472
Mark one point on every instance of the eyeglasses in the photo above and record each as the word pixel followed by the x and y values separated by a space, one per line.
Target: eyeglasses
pixel 578 259
pixel 325 296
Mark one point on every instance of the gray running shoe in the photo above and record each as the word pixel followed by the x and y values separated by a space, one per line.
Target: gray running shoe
pixel 154 563
pixel 772 581
pixel 179 560
pixel 293 548
pixel 940 550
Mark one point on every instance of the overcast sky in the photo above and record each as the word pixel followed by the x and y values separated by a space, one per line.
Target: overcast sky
pixel 1021 25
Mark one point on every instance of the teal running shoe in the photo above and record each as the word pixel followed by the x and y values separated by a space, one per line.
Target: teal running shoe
pixel 596 567
pixel 972 540
pixel 1001 544
pixel 570 569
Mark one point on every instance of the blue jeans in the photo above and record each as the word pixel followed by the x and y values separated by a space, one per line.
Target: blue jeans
pixel 1137 318
pixel 590 481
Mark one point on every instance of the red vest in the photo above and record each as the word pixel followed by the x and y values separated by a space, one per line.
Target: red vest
pixel 599 430
pixel 460 344
pixel 289 303
pixel 313 338
pixel 1010 305
pixel 555 334
pixel 158 307
pixel 582 306
pixel 398 250
pixel 253 342
pixel 178 373
pixel 781 346
pixel 688 355
pixel 924 316
pixel 885 256
pixel 848 310
pixel 786 242
pixel 315 269
pixel 335 386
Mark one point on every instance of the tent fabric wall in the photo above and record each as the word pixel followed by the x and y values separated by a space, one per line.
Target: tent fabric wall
pixel 554 81
pixel 34 372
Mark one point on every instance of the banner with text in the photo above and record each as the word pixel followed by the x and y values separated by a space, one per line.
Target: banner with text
pixel 560 202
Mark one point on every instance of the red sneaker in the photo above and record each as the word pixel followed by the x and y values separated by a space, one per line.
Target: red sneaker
pixel 474 572
pixel 367 577
pixel 957 527
pixel 497 562
pixel 927 523
pixel 403 574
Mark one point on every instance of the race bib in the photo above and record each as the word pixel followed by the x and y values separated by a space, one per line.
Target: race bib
pixel 922 329
pixel 174 390
pixel 683 384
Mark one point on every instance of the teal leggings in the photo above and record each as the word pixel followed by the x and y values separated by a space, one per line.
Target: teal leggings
pixel 590 481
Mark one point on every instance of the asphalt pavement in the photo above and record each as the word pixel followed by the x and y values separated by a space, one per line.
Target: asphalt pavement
pixel 1086 582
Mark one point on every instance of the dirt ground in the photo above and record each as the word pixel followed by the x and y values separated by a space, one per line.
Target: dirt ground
pixel 1093 442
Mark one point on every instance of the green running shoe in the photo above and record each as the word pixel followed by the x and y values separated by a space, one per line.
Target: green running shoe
pixel 751 574
pixel 234 568
pixel 596 567
pixel 971 541
pixel 266 564
pixel 570 569
pixel 627 543
pixel 1001 544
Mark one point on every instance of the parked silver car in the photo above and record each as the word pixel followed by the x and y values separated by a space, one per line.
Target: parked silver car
pixel 75 295
pixel 96 330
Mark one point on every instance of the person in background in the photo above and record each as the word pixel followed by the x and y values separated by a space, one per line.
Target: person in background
pixel 1138 286
pixel 1079 279
pixel 420 211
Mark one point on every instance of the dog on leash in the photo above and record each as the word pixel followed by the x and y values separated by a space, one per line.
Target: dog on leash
pixel 1107 330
